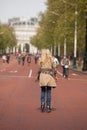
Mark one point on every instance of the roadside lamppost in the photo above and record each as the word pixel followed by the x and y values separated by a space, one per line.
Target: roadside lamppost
pixel 54 48
pixel 85 54
pixel 75 33
pixel 52 12
pixel 59 50
pixel 51 50
pixel 65 46
pixel 75 40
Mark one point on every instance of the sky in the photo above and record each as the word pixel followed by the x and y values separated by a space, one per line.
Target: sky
pixel 20 8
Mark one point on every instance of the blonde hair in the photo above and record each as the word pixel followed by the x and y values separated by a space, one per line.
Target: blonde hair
pixel 46 59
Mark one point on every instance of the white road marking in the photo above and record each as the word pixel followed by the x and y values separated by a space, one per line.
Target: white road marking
pixel 30 73
pixel 15 71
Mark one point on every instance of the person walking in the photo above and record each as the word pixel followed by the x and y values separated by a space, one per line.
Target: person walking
pixel 56 62
pixel 4 58
pixel 28 59
pixel 19 58
pixel 23 56
pixel 65 62
pixel 47 79
pixel 36 58
pixel 8 58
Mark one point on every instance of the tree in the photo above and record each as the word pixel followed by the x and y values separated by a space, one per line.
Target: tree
pixel 58 22
pixel 7 39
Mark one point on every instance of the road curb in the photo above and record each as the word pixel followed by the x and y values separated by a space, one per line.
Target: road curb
pixel 81 72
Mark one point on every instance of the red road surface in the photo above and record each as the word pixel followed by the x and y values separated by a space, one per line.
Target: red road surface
pixel 20 100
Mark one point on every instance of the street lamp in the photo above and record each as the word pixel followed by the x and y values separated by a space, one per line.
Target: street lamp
pixel 51 50
pixel 85 54
pixel 75 40
pixel 75 33
pixel 53 22
pixel 54 47
pixel 65 46
pixel 54 13
pixel 59 50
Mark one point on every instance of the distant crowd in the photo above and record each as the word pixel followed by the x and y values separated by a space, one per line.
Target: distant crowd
pixel 26 57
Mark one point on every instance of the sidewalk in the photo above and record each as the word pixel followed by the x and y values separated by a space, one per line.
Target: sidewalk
pixel 79 70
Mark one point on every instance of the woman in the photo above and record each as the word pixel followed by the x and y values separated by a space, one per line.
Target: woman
pixel 46 79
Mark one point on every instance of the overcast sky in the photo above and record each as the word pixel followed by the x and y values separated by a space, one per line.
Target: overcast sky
pixel 20 8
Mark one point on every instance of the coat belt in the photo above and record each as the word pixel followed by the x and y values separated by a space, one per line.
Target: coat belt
pixel 52 72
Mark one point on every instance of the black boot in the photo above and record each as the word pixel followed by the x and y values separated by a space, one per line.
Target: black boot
pixel 48 109
pixel 43 108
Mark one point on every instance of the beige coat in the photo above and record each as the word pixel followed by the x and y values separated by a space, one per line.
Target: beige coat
pixel 46 62
pixel 47 80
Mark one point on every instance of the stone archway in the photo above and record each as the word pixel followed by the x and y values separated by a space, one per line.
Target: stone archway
pixel 26 48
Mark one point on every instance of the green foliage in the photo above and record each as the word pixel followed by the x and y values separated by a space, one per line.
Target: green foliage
pixel 7 38
pixel 58 22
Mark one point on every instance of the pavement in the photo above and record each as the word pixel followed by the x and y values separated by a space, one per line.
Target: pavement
pixel 20 100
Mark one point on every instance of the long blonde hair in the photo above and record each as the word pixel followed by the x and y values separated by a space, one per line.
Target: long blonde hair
pixel 46 59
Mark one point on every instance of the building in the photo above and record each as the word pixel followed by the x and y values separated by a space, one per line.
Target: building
pixel 24 29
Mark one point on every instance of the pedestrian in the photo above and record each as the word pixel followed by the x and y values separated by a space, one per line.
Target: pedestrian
pixel 4 58
pixel 8 58
pixel 36 58
pixel 28 59
pixel 56 62
pixel 65 62
pixel 47 79
pixel 23 56
pixel 19 58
